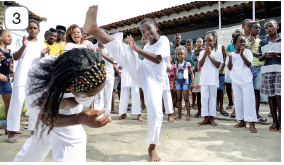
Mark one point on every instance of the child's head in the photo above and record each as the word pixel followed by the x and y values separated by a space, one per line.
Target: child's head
pixel 52 35
pixel 74 34
pixel 271 27
pixel 199 43
pixel 180 53
pixel 33 28
pixel 239 41
pixel 245 24
pixel 5 37
pixel 45 35
pixel 254 28
pixel 177 39
pixel 149 29
pixel 80 70
pixel 196 53
pixel 211 40
pixel 144 41
pixel 61 30
pixel 189 45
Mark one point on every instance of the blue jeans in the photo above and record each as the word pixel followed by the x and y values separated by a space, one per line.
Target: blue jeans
pixel 257 78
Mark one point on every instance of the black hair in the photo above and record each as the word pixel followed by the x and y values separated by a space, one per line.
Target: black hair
pixel 151 21
pixel 246 20
pixel 52 30
pixel 238 31
pixel 2 30
pixel 200 38
pixel 273 21
pixel 214 35
pixel 177 34
pixel 236 37
pixel 80 68
pixel 34 21
pixel 196 52
pixel 252 24
pixel 61 27
pixel 189 41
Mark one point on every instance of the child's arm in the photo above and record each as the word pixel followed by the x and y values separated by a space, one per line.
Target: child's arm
pixel 230 64
pixel 19 53
pixel 44 51
pixel 11 72
pixel 175 72
pixel 109 59
pixel 246 61
pixel 150 56
pixel 214 62
pixel 192 77
pixel 201 62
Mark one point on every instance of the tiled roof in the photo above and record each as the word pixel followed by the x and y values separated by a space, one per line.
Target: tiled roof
pixel 31 14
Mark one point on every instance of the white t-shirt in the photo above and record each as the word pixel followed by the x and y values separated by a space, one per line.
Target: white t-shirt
pixel 71 45
pixel 109 66
pixel 209 73
pixel 126 80
pixel 158 71
pixel 240 73
pixel 31 52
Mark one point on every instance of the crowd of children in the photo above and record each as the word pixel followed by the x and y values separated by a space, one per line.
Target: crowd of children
pixel 158 74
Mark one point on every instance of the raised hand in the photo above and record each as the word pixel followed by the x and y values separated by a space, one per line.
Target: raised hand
pixel 25 41
pixel 45 51
pixel 132 43
pixel 229 54
pixel 3 78
pixel 242 48
pixel 90 118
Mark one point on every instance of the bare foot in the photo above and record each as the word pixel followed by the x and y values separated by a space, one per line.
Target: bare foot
pixel 90 26
pixel 11 137
pixel 241 124
pixel 109 120
pixel 212 122
pixel 170 118
pixel 152 153
pixel 188 118
pixel 252 128
pixel 178 117
pixel 140 118
pixel 173 114
pixel 204 122
pixel 123 116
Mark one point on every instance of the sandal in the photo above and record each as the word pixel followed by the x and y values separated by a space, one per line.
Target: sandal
pixel 269 115
pixel 217 109
pixel 263 120
pixel 197 115
pixel 12 139
pixel 273 129
pixel 233 115
pixel 114 112
pixel 224 113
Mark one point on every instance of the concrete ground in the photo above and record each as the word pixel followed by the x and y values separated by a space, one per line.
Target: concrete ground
pixel 181 141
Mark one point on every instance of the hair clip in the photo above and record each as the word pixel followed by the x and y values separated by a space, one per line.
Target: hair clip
pixel 98 71
pixel 86 87
pixel 81 76
pixel 93 79
pixel 95 73
pixel 99 81
pixel 104 75
pixel 79 82
pixel 83 85
pixel 91 86
pixel 87 73
pixel 88 82
pixel 96 84
pixel 92 69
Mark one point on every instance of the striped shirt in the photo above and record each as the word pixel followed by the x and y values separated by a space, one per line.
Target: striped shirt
pixel 254 50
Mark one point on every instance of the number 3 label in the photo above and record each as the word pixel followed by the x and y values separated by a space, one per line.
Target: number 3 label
pixel 16 18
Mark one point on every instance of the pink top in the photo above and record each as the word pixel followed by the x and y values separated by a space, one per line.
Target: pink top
pixel 199 69
pixel 172 72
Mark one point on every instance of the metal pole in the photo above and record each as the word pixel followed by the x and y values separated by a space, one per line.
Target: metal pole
pixel 219 14
pixel 253 10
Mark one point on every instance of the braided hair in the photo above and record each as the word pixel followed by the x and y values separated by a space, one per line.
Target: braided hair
pixel 80 68
pixel 150 21
pixel 236 37
pixel 214 35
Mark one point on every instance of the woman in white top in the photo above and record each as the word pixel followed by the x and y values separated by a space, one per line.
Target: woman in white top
pixel 148 74
pixel 24 52
pixel 239 63
pixel 60 115
pixel 210 60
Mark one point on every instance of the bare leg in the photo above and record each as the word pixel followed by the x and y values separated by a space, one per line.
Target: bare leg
pixel 179 97
pixel 187 104
pixel 278 98
pixel 272 105
pixel 152 153
pixel 193 100
pixel 143 106
pixel 118 92
pixel 91 27
pixel 6 98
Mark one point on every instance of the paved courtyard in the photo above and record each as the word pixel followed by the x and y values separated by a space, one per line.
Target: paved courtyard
pixel 181 141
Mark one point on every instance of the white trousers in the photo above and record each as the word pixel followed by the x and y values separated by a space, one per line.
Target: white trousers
pixel 15 109
pixel 153 91
pixel 104 98
pixel 168 102
pixel 244 101
pixel 68 145
pixel 135 99
pixel 208 100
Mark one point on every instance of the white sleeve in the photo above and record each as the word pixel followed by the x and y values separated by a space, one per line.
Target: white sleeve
pixel 67 47
pixel 95 46
pixel 248 54
pixel 201 54
pixel 163 48
pixel 219 56
pixel 16 45
pixel 227 61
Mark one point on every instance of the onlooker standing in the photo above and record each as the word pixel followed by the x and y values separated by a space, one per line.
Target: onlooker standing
pixel 61 30
pixel 173 48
